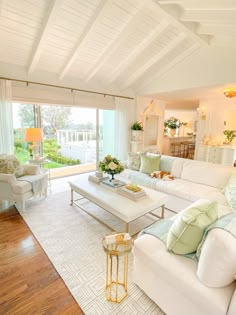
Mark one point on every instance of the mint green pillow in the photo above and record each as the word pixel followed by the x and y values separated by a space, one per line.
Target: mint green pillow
pixel 187 230
pixel 230 191
pixel 149 163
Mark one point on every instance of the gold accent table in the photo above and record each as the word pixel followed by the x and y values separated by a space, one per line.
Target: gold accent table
pixel 117 267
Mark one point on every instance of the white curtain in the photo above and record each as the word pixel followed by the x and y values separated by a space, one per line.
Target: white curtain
pixel 124 117
pixel 6 118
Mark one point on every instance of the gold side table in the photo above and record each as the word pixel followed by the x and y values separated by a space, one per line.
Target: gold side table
pixel 117 252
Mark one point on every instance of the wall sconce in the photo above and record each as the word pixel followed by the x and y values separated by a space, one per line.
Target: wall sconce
pixel 230 92
pixel 202 112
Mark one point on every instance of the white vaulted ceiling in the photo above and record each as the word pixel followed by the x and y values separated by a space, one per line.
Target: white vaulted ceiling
pixel 108 45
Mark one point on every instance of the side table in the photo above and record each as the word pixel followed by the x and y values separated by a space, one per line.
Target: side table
pixel 117 248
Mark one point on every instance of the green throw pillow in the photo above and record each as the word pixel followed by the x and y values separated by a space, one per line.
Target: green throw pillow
pixel 149 163
pixel 187 231
pixel 230 191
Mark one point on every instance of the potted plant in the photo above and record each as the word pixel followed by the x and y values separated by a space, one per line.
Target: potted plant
pixel 137 131
pixel 172 124
pixel 230 135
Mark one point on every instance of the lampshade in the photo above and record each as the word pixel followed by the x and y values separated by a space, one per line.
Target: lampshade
pixel 33 135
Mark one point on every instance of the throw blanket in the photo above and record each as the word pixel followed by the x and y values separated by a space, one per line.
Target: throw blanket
pixel 161 228
pixel 38 182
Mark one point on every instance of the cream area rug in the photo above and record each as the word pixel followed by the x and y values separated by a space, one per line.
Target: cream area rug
pixel 73 242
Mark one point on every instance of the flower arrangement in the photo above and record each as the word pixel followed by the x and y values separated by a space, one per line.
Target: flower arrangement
pixel 172 123
pixel 111 165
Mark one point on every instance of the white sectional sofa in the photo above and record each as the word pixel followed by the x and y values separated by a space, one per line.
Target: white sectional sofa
pixel 193 180
pixel 168 279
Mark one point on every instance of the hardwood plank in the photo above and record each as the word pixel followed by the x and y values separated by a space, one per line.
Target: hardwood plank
pixel 29 283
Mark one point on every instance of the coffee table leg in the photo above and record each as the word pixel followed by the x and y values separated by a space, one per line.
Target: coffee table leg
pixel 162 211
pixel 71 197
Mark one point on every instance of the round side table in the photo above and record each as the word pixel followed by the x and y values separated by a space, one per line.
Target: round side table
pixel 117 248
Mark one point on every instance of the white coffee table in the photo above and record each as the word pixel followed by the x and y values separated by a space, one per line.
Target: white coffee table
pixel 122 207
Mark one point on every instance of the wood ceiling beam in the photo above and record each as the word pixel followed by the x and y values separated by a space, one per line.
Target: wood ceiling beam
pixel 116 42
pixel 201 4
pixel 46 27
pixel 142 69
pixel 138 50
pixel 88 29
pixel 211 15
pixel 175 14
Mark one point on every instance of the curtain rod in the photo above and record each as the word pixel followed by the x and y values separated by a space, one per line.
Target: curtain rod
pixel 67 88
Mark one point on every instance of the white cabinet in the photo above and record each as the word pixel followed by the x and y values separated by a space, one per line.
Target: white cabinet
pixel 214 155
pixel 225 154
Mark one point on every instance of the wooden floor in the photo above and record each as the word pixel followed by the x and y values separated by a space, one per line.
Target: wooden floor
pixel 29 283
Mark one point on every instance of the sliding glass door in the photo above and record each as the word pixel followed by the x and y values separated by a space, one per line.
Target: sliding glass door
pixel 70 133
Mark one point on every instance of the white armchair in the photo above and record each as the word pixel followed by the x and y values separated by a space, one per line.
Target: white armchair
pixel 34 182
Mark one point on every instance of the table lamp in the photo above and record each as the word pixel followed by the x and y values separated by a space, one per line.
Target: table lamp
pixel 34 135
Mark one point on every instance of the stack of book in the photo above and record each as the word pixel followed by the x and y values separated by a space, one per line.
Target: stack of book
pixel 135 194
pixel 97 179
pixel 112 185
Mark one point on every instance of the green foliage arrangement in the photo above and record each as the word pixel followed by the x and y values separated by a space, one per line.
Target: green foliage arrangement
pixel 137 126
pixel 172 123
pixel 111 165
pixel 230 135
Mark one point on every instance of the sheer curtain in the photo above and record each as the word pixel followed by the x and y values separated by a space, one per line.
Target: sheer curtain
pixel 124 117
pixel 6 118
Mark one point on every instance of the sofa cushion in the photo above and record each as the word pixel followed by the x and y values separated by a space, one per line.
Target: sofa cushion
pixel 187 230
pixel 230 191
pixel 134 161
pixel 215 175
pixel 217 263
pixel 177 167
pixel 149 163
pixel 21 187
pixel 191 191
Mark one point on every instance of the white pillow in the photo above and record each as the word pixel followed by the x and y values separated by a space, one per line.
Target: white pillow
pixel 31 169
pixel 217 263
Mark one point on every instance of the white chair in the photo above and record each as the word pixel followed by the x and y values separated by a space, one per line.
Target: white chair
pixel 34 182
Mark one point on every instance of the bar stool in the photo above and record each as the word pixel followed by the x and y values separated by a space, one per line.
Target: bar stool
pixel 175 149
pixel 191 151
pixel 184 149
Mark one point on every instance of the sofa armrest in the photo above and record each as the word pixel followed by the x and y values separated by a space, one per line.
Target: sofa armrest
pixel 232 304
pixel 7 178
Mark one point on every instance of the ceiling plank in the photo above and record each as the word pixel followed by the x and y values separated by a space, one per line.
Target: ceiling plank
pixel 89 28
pixel 142 69
pixel 171 64
pixel 1 6
pixel 116 42
pixel 138 50
pixel 46 27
